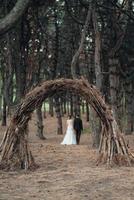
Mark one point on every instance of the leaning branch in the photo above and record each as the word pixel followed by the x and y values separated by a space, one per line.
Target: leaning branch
pixel 80 49
pixel 15 14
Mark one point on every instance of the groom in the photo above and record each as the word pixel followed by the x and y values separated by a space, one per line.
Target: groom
pixel 78 127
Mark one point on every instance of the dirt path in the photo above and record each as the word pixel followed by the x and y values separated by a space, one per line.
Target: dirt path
pixel 66 172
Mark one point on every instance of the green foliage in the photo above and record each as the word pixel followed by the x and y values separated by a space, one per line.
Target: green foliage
pixel 87 130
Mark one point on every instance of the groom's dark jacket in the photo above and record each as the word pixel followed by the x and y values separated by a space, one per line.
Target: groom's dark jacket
pixel 78 126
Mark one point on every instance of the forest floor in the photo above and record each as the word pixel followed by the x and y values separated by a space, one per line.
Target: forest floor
pixel 66 172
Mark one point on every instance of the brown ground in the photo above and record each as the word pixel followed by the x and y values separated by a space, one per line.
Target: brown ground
pixel 66 172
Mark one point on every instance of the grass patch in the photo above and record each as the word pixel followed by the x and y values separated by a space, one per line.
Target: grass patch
pixel 87 131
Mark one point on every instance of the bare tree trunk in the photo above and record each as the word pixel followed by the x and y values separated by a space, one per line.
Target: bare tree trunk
pixel 97 57
pixel 80 49
pixel 121 106
pixel 40 123
pixel 0 99
pixel 83 106
pixel 4 113
pixel 20 70
pixel 64 106
pixel 9 72
pixel 16 13
pixel 129 108
pixel 113 80
pixel 76 108
pixel 87 112
pixel 7 22
pixel 95 126
pixel 71 106
pixel 51 111
pixel 68 110
pixel 58 115
pixel 44 110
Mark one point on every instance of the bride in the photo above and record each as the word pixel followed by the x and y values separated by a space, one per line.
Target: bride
pixel 70 136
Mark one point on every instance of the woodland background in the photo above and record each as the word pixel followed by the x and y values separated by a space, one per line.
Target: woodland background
pixel 45 40
pixel 50 39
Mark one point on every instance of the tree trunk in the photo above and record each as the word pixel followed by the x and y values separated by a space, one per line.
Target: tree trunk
pixel 114 84
pixel 64 106
pixel 40 123
pixel 44 110
pixel 0 99
pixel 4 113
pixel 7 22
pixel 129 108
pixel 68 110
pixel 9 72
pixel 87 112
pixel 83 106
pixel 20 69
pixel 71 106
pixel 95 126
pixel 58 115
pixel 80 49
pixel 98 73
pixel 51 111
pixel 97 56
pixel 76 107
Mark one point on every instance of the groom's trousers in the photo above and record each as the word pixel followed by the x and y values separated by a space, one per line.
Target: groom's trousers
pixel 78 134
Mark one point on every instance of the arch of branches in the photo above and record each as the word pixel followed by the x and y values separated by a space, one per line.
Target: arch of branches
pixel 15 152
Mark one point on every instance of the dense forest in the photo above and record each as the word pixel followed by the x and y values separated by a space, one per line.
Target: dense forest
pixel 46 40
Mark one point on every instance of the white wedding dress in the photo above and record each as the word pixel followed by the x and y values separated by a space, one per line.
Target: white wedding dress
pixel 70 137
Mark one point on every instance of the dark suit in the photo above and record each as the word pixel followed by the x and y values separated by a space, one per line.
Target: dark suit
pixel 78 127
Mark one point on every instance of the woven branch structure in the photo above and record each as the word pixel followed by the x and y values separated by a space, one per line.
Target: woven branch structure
pixel 15 152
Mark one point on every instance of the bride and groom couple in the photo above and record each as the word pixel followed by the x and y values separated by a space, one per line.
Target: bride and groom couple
pixel 73 132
